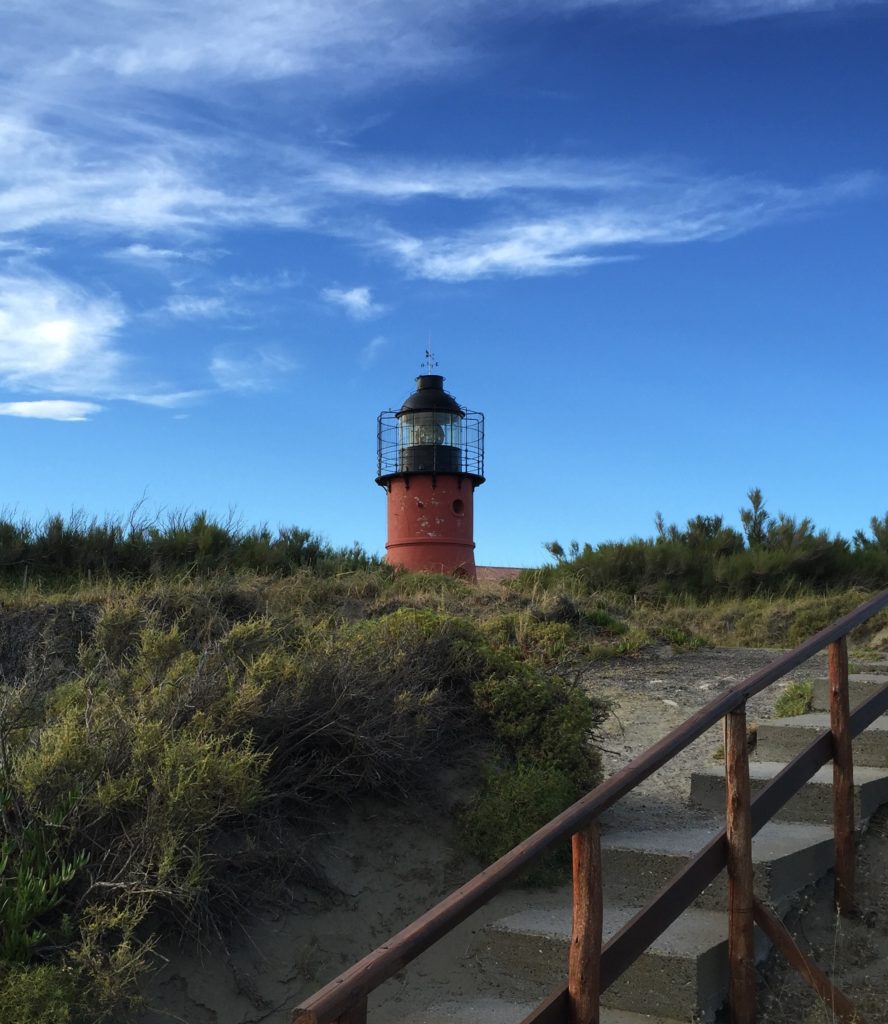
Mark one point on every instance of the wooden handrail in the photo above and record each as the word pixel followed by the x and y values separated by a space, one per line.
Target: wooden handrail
pixel 649 923
pixel 352 986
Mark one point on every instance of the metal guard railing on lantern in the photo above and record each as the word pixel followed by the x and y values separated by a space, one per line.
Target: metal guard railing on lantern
pixel 467 457
pixel 593 967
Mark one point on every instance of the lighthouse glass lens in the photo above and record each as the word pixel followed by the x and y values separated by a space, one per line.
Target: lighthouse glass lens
pixel 423 428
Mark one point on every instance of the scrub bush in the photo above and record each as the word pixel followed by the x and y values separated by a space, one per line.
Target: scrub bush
pixel 65 550
pixel 39 994
pixel 204 725
pixel 707 559
pixel 544 721
pixel 543 727
pixel 511 805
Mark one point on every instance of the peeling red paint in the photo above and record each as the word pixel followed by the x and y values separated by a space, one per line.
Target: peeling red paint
pixel 442 543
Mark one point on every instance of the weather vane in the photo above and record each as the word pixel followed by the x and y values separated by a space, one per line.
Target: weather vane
pixel 430 361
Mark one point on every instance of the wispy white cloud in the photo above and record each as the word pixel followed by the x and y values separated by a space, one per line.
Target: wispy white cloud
pixel 616 226
pixel 399 180
pixel 253 284
pixel 227 297
pixel 51 409
pixel 372 350
pixel 197 307
pixel 55 336
pixel 182 46
pixel 138 252
pixel 143 181
pixel 102 168
pixel 357 302
pixel 238 369
pixel 217 40
pixel 164 400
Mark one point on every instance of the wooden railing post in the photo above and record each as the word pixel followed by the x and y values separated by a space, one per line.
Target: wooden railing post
pixel 738 830
pixel 843 776
pixel 584 962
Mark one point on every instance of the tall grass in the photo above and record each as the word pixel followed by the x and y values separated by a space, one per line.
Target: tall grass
pixel 64 550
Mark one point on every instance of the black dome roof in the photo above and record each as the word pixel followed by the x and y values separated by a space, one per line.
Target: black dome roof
pixel 430 396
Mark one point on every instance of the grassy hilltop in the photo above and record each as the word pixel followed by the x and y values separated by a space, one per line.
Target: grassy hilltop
pixel 173 725
pixel 181 702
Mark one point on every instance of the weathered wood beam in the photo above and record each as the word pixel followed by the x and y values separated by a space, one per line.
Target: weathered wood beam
pixel 779 934
pixel 584 960
pixel 843 776
pixel 738 830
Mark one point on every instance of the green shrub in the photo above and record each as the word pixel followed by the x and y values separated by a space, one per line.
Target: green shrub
pixel 96 979
pixel 545 642
pixel 203 714
pixel 544 721
pixel 511 804
pixel 544 760
pixel 796 699
pixel 39 994
pixel 707 559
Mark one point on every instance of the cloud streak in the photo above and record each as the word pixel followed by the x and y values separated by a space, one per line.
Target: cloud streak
pixel 239 369
pixel 190 47
pixel 51 409
pixel 148 183
pixel 197 307
pixel 563 214
pixel 618 225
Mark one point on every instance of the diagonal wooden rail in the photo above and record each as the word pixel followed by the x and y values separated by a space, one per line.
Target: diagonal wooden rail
pixel 344 1000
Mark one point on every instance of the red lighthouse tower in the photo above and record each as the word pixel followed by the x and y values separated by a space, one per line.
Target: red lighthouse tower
pixel 430 460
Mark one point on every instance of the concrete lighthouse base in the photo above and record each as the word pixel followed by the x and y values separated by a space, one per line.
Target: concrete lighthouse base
pixel 430 525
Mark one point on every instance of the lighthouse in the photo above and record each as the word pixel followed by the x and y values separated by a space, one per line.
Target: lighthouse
pixel 430 459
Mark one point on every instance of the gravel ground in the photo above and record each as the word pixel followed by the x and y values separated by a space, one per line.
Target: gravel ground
pixel 656 691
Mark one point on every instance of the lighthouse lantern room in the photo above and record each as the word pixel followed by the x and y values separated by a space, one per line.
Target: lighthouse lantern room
pixel 430 459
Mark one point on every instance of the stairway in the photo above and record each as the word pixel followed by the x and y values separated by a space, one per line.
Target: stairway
pixel 683 977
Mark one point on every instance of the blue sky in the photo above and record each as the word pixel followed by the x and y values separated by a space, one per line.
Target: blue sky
pixel 646 239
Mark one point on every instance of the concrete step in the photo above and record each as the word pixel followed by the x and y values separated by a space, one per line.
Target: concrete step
pixel 780 739
pixel 873 665
pixel 683 975
pixel 499 1011
pixel 788 857
pixel 861 686
pixel 812 803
